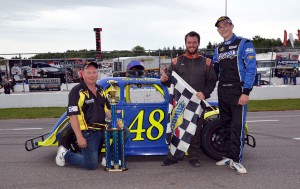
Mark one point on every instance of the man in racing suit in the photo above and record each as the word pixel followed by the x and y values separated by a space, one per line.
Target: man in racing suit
pixel 236 62
pixel 198 72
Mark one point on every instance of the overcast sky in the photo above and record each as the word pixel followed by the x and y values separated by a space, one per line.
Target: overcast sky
pixel 58 25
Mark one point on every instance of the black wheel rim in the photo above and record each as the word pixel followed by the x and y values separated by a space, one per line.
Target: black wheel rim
pixel 217 140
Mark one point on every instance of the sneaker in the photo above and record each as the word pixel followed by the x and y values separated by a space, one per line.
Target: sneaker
pixel 224 161
pixel 103 162
pixel 194 162
pixel 238 167
pixel 60 157
pixel 168 161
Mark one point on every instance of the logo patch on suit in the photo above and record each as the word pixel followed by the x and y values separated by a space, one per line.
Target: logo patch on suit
pixel 73 108
pixel 249 50
pixel 233 47
pixel 89 101
pixel 228 55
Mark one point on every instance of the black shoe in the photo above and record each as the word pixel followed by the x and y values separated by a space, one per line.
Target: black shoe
pixel 194 162
pixel 168 161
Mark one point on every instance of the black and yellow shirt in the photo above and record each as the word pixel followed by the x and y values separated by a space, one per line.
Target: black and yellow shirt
pixel 90 109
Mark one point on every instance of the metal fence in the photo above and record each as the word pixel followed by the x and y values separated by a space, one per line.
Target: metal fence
pixel 274 59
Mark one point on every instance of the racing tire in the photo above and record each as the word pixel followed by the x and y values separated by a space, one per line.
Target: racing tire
pixel 212 139
pixel 67 138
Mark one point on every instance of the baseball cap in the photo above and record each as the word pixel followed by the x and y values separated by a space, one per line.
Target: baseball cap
pixel 89 64
pixel 223 18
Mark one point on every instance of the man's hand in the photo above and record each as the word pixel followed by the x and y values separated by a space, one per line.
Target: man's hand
pixel 81 142
pixel 174 61
pixel 120 123
pixel 244 99
pixel 76 128
pixel 163 77
pixel 200 95
pixel 208 62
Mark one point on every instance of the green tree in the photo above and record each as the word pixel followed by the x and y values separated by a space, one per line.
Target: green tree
pixel 209 45
pixel 138 51
pixel 2 61
pixel 260 42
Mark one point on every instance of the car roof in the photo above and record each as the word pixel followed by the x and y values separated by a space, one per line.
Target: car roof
pixel 130 80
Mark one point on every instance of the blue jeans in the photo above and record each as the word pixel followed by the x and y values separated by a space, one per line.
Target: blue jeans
pixel 285 80
pixel 88 158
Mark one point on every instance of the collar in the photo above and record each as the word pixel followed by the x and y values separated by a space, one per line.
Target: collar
pixel 85 87
pixel 230 40
pixel 197 55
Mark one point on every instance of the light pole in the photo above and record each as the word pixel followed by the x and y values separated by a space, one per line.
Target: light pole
pixel 225 7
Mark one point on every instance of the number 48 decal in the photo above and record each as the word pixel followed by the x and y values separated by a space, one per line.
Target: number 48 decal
pixel 155 122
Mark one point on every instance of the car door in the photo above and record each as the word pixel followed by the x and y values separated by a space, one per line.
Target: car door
pixel 143 106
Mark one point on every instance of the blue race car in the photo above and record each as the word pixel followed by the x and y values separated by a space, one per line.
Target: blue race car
pixel 143 107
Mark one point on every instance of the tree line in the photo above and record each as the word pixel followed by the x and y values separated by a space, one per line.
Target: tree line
pixel 261 44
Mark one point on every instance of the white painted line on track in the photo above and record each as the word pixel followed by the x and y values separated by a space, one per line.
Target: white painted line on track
pixel 20 129
pixel 254 121
pixel 272 116
pixel 296 138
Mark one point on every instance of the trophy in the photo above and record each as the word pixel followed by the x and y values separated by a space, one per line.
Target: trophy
pixel 117 153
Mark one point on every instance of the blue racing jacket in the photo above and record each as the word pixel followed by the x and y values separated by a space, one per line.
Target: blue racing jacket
pixel 235 62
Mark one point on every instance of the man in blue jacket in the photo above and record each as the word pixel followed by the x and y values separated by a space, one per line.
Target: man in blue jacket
pixel 235 60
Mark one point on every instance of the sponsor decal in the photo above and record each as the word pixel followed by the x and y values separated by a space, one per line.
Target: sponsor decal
pixel 250 57
pixel 222 49
pixel 177 115
pixel 287 63
pixel 249 50
pixel 44 84
pixel 228 55
pixel 89 101
pixel 73 108
pixel 227 42
pixel 44 80
pixel 233 47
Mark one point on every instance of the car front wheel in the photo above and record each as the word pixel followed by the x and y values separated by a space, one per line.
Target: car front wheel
pixel 213 139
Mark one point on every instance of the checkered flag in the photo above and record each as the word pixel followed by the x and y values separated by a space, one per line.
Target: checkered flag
pixel 184 112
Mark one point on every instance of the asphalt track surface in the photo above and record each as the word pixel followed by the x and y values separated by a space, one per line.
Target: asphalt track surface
pixel 274 163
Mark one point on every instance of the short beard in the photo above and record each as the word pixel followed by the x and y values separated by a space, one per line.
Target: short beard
pixel 192 52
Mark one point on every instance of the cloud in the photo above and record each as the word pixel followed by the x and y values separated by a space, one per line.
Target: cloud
pixel 43 26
